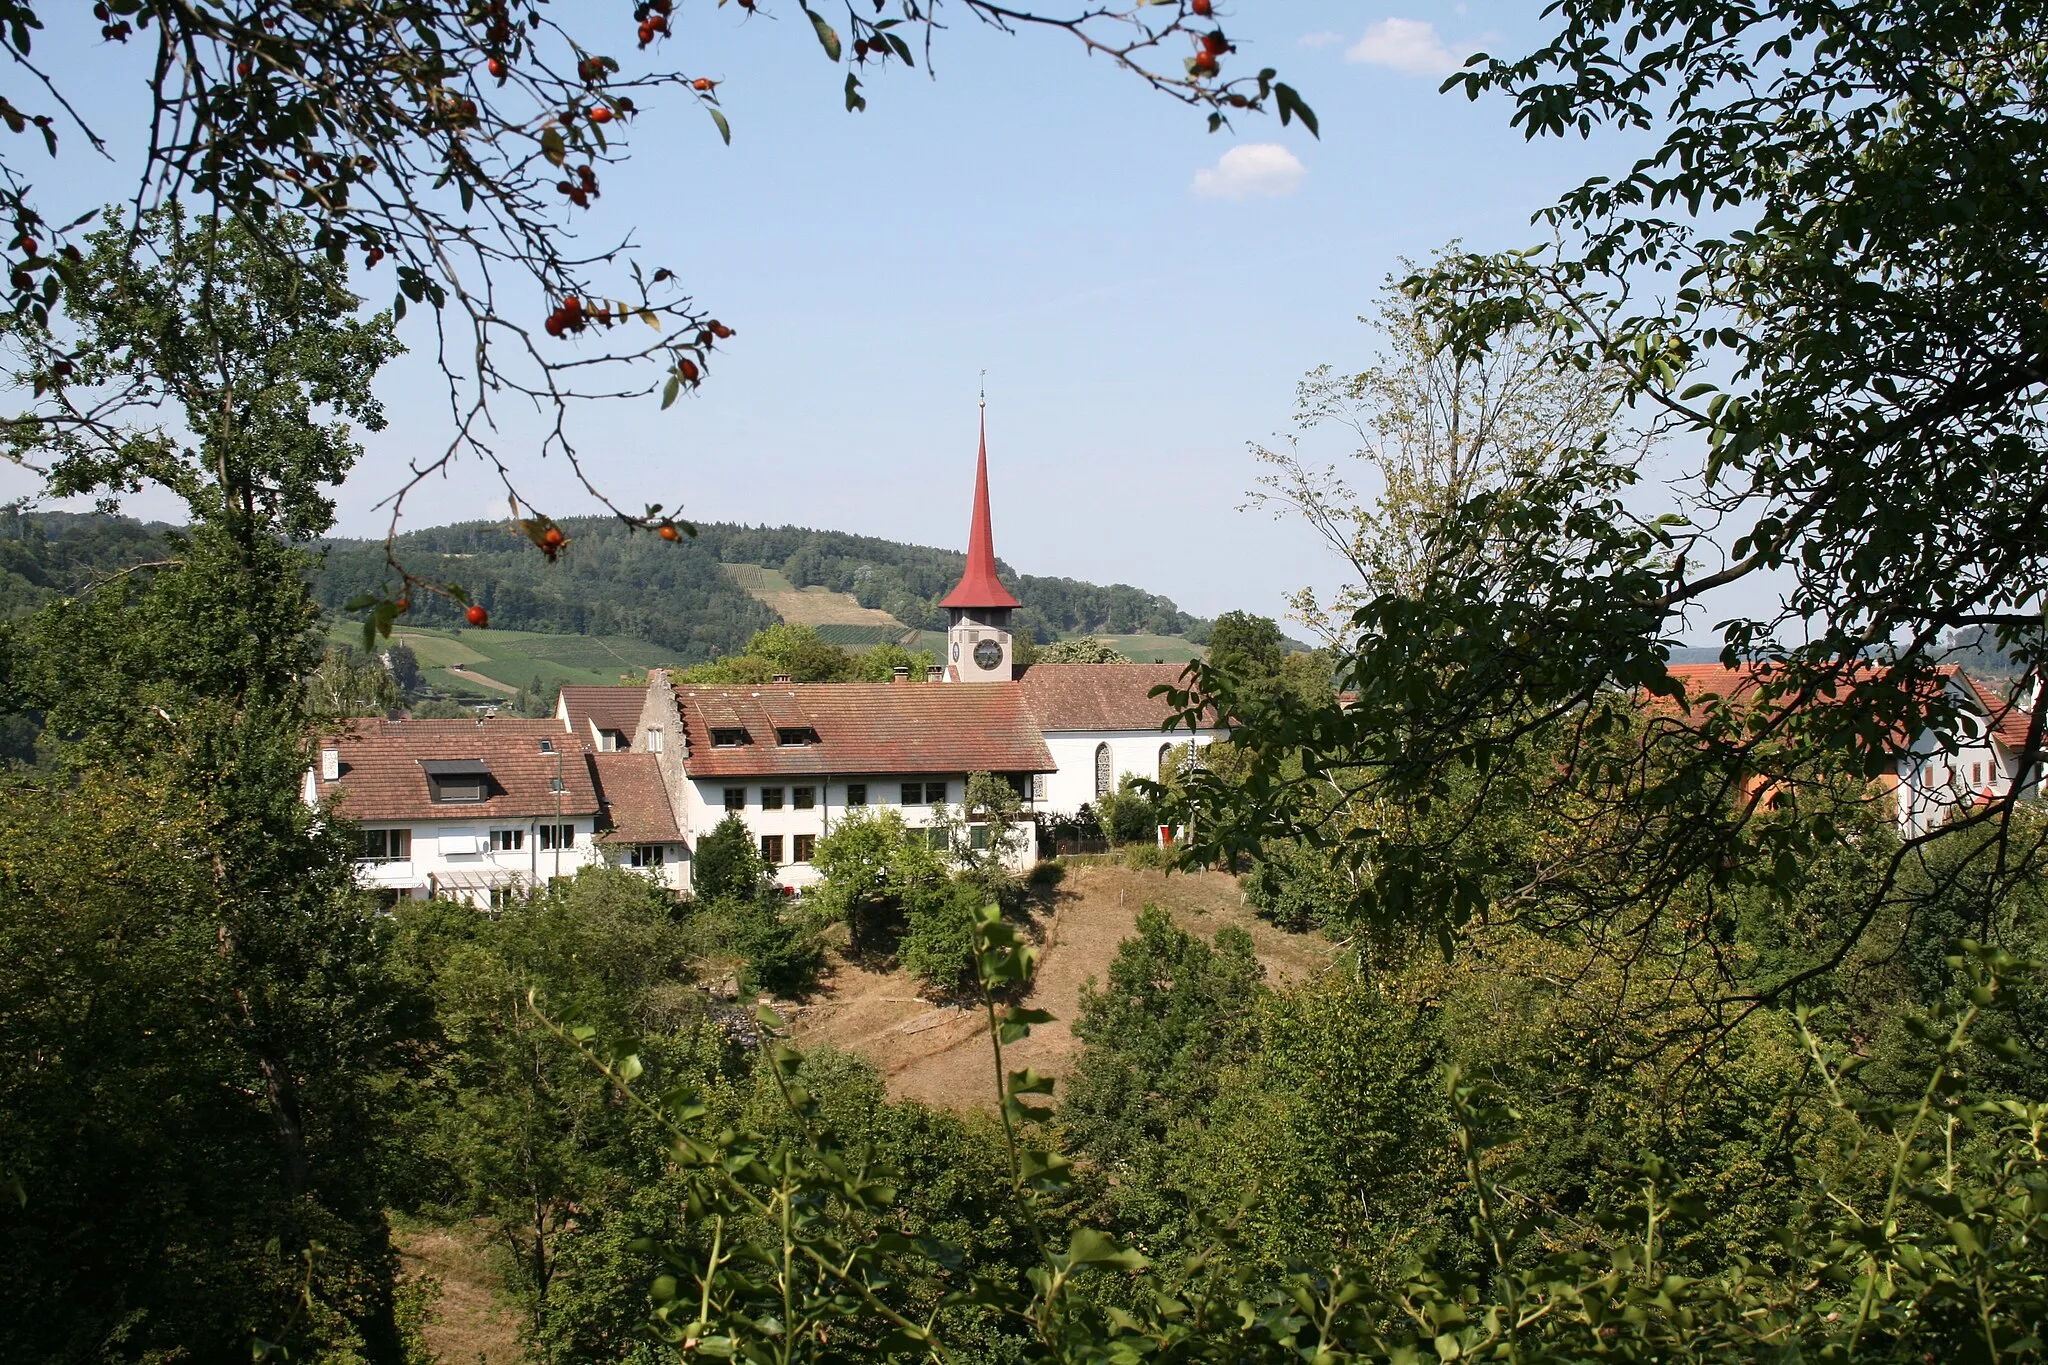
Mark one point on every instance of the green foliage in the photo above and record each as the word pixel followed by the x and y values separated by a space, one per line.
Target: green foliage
pixel 502 1124
pixel 937 943
pixel 1175 1015
pixel 876 870
pixel 727 864
pixel 1128 814
pixel 1086 650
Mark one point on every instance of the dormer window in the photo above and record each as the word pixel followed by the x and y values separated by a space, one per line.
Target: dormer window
pixel 729 739
pixel 793 736
pixel 457 781
pixel 547 746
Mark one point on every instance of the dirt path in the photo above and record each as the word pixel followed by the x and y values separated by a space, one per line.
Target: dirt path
pixel 940 1055
pixel 469 1325
pixel 471 676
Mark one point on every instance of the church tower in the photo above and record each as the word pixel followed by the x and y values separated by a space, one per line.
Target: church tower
pixel 978 633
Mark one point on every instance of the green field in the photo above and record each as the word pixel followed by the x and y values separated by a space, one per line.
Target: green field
pixel 516 657
pixel 1150 649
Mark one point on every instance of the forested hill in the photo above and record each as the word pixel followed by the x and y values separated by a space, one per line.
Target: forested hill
pixel 608 581
pixel 613 582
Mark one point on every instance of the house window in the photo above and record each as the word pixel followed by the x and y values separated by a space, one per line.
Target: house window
pixel 935 839
pixel 1038 786
pixel 1976 773
pixel 557 836
pixel 856 793
pixel 771 798
pixel 803 798
pixel 504 897
pixel 913 793
pixel 792 736
pixel 547 746
pixel 1165 761
pixel 934 793
pixel 977 838
pixel 1103 776
pixel 803 846
pixel 648 855
pixel 555 785
pixel 654 739
pixel 735 798
pixel 387 845
pixel 728 739
pixel 771 849
pixel 507 840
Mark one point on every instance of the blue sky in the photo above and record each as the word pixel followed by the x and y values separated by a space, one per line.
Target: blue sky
pixel 1143 294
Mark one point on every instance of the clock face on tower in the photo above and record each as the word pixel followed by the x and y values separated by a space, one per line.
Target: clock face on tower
pixel 988 654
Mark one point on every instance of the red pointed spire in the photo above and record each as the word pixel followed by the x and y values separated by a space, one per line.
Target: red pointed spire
pixel 979 586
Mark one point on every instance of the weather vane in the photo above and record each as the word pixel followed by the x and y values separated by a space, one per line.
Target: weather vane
pixel 984 388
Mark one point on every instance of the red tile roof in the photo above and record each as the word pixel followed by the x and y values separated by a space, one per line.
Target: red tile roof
pixel 381 777
pixel 2009 722
pixel 864 728
pixel 636 806
pixel 1098 696
pixel 610 708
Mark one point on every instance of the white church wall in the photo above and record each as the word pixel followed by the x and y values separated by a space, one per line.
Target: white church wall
pixel 1131 752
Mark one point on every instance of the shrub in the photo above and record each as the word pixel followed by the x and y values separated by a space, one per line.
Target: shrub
pixel 938 939
pixel 1048 874
pixel 1128 816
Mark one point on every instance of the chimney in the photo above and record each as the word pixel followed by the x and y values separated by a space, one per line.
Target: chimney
pixel 782 678
pixel 330 765
pixel 902 672
pixel 935 673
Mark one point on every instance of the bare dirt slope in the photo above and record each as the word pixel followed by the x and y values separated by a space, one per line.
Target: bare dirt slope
pixel 939 1054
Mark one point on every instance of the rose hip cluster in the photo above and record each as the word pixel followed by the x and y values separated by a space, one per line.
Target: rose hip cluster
pixel 653 17
pixel 582 189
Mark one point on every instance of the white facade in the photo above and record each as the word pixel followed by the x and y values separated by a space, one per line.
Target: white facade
pixel 468 859
pixel 1091 762
pixel 769 808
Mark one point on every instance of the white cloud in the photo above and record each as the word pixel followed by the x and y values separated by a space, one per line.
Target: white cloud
pixel 1408 45
pixel 1323 39
pixel 1265 169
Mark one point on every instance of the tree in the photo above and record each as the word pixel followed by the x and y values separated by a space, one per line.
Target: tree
pixel 348 683
pixel 1086 650
pixel 270 114
pixel 405 668
pixel 727 865
pixel 504 1124
pixel 880 663
pixel 186 679
pixel 1436 426
pixel 1843 350
pixel 875 868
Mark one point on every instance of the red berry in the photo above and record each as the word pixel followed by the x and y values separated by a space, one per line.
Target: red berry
pixel 553 538
pixel 669 533
pixel 496 68
pixel 1216 43
pixel 688 370
pixel 600 115
pixel 702 83
pixel 1201 7
pixel 478 616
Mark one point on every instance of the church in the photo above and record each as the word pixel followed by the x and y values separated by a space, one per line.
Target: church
pixel 635 775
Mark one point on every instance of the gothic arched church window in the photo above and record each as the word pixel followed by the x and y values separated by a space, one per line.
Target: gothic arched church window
pixel 1165 761
pixel 1102 770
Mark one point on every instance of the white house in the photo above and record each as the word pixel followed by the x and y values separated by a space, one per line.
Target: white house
pixel 1930 777
pixel 478 810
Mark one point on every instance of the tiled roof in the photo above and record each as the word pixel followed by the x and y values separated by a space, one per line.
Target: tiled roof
pixel 610 708
pixel 1735 684
pixel 1098 696
pixel 381 776
pixel 864 728
pixel 2008 721
pixel 636 803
